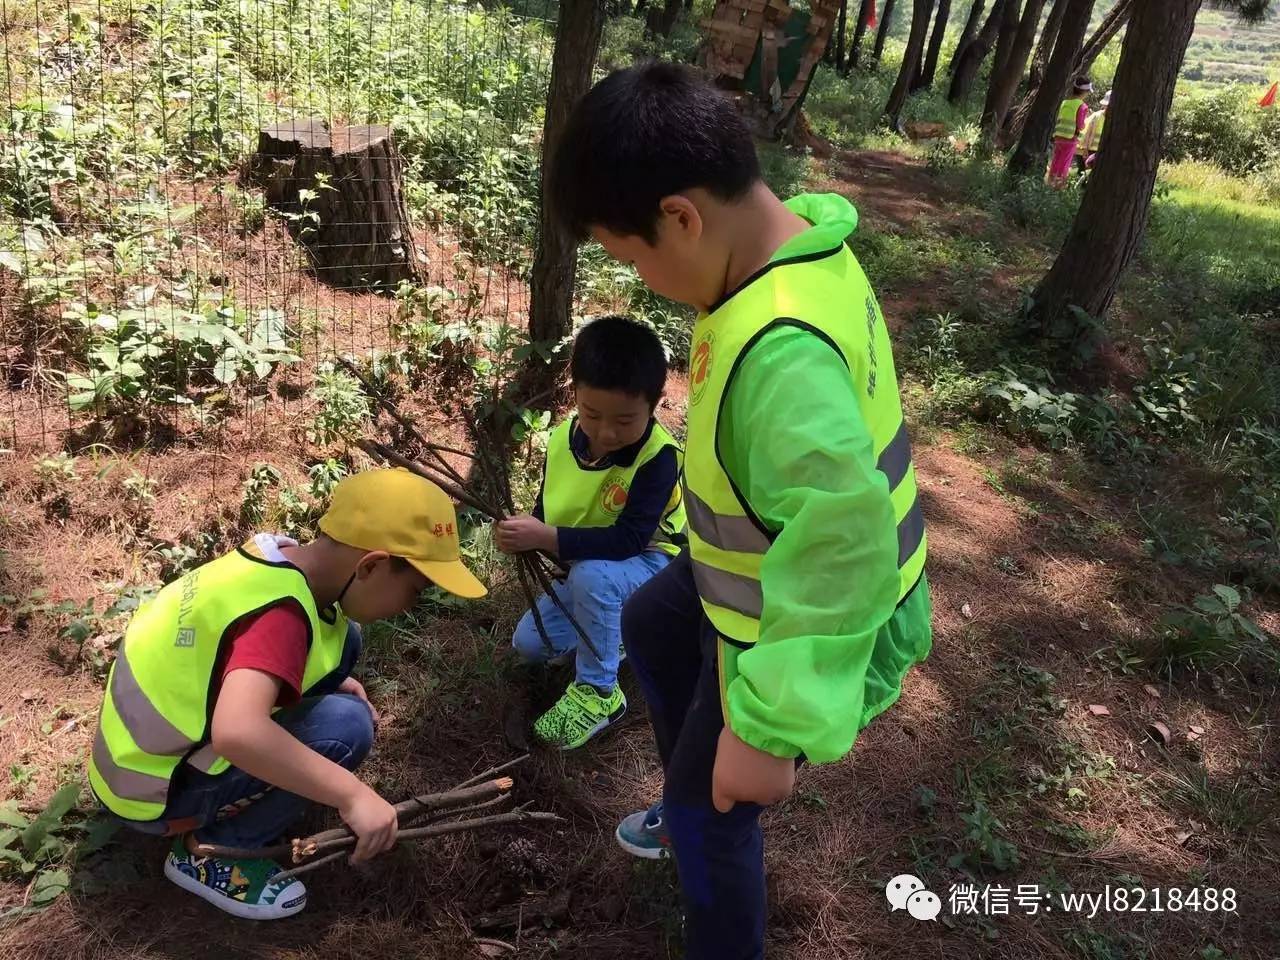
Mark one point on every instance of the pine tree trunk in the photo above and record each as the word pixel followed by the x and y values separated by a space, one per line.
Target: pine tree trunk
pixel 1004 85
pixel 859 31
pixel 341 192
pixel 660 21
pixel 885 17
pixel 551 283
pixel 967 34
pixel 970 62
pixel 1029 156
pixel 1111 24
pixel 841 21
pixel 920 16
pixel 929 68
pixel 1113 214
pixel 1009 21
pixel 1044 46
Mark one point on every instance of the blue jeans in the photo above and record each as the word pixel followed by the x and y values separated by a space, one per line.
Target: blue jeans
pixel 719 856
pixel 235 809
pixel 594 592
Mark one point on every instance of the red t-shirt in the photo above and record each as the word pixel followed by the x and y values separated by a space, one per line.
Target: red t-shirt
pixel 273 641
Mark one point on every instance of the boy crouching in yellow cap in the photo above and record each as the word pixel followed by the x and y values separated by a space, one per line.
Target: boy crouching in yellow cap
pixel 231 703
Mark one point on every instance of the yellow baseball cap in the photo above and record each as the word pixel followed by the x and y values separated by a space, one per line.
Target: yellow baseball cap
pixel 407 516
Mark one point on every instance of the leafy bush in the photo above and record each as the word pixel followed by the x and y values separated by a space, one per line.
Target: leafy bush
pixel 1223 126
pixel 342 409
pixel 40 851
pixel 1212 629
pixel 151 354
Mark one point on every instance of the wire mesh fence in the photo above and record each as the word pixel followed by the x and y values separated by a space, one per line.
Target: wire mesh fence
pixel 203 201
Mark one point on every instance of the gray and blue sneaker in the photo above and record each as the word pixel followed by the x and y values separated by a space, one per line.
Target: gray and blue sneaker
pixel 644 834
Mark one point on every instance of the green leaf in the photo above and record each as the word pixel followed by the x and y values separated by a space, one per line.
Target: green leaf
pixel 10 817
pixel 1228 595
pixel 98 832
pixel 8 835
pixel 60 804
pixel 48 886
pixel 227 369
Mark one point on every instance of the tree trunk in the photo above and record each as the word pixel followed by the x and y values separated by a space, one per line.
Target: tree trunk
pixel 841 21
pixel 1005 84
pixel 1028 157
pixel 1044 46
pixel 920 16
pixel 859 31
pixel 341 195
pixel 930 67
pixel 1113 213
pixel 967 34
pixel 970 62
pixel 885 17
pixel 1111 24
pixel 660 21
pixel 551 283
pixel 1009 20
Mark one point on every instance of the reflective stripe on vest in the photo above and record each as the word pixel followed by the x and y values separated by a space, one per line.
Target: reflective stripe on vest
pixel 156 712
pixel 727 541
pixel 1067 114
pixel 578 496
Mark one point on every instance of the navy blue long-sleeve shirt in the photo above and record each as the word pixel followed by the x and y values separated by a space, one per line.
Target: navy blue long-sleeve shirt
pixel 647 500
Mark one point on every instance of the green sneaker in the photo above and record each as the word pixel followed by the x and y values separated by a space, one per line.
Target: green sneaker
pixel 579 715
pixel 243 888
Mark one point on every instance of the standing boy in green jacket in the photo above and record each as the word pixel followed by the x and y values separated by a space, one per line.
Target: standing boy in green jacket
pixel 802 602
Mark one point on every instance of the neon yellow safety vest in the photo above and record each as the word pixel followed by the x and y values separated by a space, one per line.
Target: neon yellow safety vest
pixel 827 294
pixel 574 495
pixel 156 712
pixel 1093 131
pixel 1067 113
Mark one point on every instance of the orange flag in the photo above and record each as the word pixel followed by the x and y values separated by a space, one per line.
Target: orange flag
pixel 870 7
pixel 1269 98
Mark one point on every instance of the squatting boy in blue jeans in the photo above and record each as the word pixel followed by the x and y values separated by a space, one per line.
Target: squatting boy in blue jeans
pixel 610 509
pixel 231 705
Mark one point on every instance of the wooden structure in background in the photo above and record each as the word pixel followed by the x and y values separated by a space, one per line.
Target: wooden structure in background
pixel 768 50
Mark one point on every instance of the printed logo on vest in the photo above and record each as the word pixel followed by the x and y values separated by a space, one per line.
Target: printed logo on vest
pixel 186 637
pixel 700 366
pixel 613 497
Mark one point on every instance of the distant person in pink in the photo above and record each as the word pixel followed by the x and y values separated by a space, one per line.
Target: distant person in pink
pixel 1066 135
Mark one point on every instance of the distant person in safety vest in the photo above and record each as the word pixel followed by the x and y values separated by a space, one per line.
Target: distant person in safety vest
pixel 1092 138
pixel 1072 115
pixel 610 509
pixel 801 603
pixel 231 704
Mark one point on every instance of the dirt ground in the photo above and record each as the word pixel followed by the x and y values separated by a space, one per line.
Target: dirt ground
pixel 1036 569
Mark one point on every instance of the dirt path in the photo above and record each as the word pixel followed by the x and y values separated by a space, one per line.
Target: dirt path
pixel 1040 585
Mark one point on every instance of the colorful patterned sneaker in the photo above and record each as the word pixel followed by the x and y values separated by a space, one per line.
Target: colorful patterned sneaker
pixel 579 715
pixel 243 888
pixel 644 834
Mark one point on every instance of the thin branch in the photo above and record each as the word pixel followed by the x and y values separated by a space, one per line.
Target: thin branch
pixel 473 791
pixel 512 818
pixel 390 408
pixel 493 772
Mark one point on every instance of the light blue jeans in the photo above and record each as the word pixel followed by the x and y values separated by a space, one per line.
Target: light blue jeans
pixel 594 592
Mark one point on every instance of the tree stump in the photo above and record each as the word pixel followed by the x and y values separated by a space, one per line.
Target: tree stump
pixel 340 192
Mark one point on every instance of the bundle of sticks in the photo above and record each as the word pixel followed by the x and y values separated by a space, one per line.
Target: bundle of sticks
pixel 534 568
pixel 434 815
